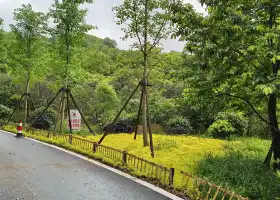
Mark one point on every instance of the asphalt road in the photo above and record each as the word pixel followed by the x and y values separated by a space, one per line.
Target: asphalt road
pixel 32 171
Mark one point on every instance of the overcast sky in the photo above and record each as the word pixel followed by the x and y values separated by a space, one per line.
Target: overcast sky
pixel 100 14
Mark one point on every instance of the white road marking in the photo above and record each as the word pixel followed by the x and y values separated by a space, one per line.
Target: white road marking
pixel 141 182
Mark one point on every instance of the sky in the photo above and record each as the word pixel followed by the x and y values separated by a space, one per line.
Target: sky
pixel 99 14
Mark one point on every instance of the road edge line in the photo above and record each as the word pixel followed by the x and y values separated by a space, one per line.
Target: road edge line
pixel 128 176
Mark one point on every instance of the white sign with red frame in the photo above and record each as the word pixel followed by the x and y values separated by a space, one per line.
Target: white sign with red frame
pixel 76 120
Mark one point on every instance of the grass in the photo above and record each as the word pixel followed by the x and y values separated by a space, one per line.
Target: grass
pixel 236 164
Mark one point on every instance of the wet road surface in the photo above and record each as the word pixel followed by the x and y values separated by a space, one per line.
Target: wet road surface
pixel 33 171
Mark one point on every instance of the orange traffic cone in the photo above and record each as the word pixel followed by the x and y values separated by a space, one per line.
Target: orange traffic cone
pixel 19 129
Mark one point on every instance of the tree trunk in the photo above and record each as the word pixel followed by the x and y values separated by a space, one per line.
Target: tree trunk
pixel 145 55
pixel 145 134
pixel 28 54
pixel 273 120
pixel 274 130
pixel 62 114
pixel 26 99
pixel 275 145
pixel 66 84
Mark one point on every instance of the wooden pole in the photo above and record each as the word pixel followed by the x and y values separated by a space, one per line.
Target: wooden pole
pixel 62 112
pixel 139 115
pixel 149 124
pixel 58 118
pixel 171 176
pixel 82 115
pixel 120 112
pixel 46 108
pixel 69 114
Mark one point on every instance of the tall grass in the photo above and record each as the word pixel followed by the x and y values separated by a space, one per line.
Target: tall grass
pixel 241 169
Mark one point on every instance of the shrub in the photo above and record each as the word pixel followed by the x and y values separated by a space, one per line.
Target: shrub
pixel 162 109
pixel 5 111
pixel 48 119
pixel 221 129
pixel 237 121
pixel 178 125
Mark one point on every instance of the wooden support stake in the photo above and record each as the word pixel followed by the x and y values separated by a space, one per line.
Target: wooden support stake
pixel 124 157
pixel 149 124
pixel 82 115
pixel 69 114
pixel 70 139
pixel 171 176
pixel 139 115
pixel 119 113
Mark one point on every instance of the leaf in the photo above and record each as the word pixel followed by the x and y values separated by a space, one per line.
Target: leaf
pixel 251 48
pixel 267 90
pixel 275 59
pixel 260 28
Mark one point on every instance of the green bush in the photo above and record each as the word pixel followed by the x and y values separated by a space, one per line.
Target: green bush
pixel 237 120
pixel 178 125
pixel 49 116
pixel 5 112
pixel 227 124
pixel 221 129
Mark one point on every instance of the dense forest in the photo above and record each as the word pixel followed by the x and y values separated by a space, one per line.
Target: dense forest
pixel 223 85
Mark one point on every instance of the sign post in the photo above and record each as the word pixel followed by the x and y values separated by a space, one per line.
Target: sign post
pixel 76 121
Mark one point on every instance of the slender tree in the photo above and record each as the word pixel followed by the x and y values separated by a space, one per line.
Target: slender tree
pixel 1 34
pixel 70 28
pixel 2 46
pixel 146 22
pixel 30 26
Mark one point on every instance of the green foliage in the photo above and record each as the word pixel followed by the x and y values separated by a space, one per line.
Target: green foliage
pixel 68 33
pixel 140 23
pixel 178 123
pixel 5 112
pixel 49 116
pixel 110 43
pixel 236 55
pixel 1 39
pixel 237 121
pixel 70 25
pixel 161 109
pixel 106 103
pixel 29 28
pixel 241 169
pixel 221 129
pixel 30 25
